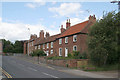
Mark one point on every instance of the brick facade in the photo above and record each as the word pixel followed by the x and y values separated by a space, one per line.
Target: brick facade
pixel 79 31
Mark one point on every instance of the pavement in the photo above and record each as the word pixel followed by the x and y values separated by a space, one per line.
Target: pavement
pixel 83 74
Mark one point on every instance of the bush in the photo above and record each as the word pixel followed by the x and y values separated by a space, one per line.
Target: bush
pixel 38 53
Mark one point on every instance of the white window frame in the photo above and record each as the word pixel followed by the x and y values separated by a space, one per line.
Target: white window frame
pixel 47 45
pixel 66 39
pixel 35 47
pixel 47 53
pixel 74 48
pixel 60 41
pixel 38 46
pixel 74 36
pixel 51 44
pixel 51 51
pixel 43 46
pixel 32 43
pixel 60 52
pixel 65 52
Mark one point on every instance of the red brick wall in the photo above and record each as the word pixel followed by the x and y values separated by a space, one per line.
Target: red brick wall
pixel 71 62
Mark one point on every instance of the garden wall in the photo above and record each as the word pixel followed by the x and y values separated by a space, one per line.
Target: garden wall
pixel 72 63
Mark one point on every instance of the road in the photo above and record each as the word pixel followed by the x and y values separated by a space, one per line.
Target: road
pixel 19 68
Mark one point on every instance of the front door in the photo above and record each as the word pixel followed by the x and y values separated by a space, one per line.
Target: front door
pixel 66 52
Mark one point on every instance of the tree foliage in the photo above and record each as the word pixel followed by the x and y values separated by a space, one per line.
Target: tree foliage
pixel 9 47
pixel 103 40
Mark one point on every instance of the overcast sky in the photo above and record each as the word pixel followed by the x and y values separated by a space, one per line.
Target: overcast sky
pixel 17 17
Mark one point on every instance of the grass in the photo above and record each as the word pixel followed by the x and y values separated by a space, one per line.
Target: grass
pixel 60 58
pixel 104 68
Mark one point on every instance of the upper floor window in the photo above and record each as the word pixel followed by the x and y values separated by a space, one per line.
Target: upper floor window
pixel 43 46
pixel 39 47
pixel 74 48
pixel 47 45
pixel 51 44
pixel 60 41
pixel 66 39
pixel 52 51
pixel 60 51
pixel 74 38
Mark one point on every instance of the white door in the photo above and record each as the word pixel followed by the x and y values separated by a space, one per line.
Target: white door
pixel 66 52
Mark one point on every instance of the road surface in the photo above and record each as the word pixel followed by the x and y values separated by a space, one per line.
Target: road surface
pixel 19 68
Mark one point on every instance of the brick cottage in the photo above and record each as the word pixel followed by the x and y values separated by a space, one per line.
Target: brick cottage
pixel 73 38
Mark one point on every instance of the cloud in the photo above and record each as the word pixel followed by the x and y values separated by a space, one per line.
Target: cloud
pixel 30 5
pixel 66 9
pixel 74 21
pixel 35 4
pixel 19 31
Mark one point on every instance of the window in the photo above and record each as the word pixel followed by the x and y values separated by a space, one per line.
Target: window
pixel 47 45
pixel 60 41
pixel 60 51
pixel 43 46
pixel 52 51
pixel 51 44
pixel 39 47
pixel 32 43
pixel 47 53
pixel 66 39
pixel 74 48
pixel 74 38
pixel 35 47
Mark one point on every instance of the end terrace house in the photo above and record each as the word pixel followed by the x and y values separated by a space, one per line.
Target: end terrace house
pixel 71 38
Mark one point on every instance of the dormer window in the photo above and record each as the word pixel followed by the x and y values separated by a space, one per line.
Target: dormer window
pixel 60 41
pixel 74 38
pixel 66 39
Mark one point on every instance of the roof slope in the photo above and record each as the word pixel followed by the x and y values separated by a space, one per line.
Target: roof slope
pixel 45 40
pixel 74 29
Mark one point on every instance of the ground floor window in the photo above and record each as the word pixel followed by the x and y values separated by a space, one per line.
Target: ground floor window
pixel 52 51
pixel 60 51
pixel 74 48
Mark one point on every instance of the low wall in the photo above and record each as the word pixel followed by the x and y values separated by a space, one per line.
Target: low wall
pixel 65 63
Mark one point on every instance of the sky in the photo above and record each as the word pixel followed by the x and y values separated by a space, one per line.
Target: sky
pixel 17 17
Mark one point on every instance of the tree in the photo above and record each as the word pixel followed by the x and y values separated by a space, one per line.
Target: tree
pixel 18 47
pixel 102 40
pixel 9 47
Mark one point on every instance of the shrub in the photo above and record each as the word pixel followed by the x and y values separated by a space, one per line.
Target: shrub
pixel 38 53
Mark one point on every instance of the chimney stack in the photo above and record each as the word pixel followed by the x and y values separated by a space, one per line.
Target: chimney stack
pixel 92 18
pixel 62 29
pixel 41 34
pixel 47 34
pixel 68 24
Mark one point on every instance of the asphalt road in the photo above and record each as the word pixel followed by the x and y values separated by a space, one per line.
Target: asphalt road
pixel 19 68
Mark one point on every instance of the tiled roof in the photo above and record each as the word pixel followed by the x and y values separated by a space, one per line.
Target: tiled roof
pixel 70 31
pixel 74 29
pixel 45 40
